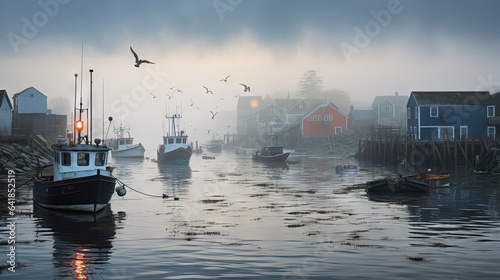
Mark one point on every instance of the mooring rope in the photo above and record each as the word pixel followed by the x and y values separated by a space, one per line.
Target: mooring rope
pixel 161 196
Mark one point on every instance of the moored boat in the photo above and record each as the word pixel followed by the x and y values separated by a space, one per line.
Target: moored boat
pixel 79 178
pixel 399 184
pixel 346 168
pixel 214 145
pixel 123 145
pixel 175 148
pixel 435 180
pixel 270 154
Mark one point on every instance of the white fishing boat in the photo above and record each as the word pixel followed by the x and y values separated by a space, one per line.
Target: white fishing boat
pixel 175 148
pixel 214 145
pixel 123 145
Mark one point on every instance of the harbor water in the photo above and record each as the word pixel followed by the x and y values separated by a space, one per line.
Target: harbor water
pixel 233 218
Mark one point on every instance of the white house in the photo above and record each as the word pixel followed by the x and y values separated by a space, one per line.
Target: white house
pixel 5 114
pixel 30 101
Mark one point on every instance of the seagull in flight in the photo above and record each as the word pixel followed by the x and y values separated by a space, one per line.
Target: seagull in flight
pixel 138 61
pixel 225 79
pixel 169 96
pixel 247 88
pixel 154 96
pixel 213 114
pixel 207 90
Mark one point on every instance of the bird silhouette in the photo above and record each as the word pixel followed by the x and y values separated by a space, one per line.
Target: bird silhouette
pixel 178 90
pixel 247 88
pixel 169 96
pixel 192 103
pixel 154 96
pixel 213 114
pixel 225 79
pixel 207 90
pixel 138 61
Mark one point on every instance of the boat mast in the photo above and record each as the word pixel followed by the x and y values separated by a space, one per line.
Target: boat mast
pixel 90 127
pixel 74 109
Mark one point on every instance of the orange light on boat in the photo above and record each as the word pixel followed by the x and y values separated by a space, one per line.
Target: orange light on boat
pixel 79 126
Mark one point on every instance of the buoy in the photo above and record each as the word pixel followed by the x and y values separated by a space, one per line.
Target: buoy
pixel 120 190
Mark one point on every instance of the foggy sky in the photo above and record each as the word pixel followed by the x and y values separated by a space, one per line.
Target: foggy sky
pixel 405 45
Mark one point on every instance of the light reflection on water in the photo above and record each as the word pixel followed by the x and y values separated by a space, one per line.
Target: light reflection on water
pixel 235 218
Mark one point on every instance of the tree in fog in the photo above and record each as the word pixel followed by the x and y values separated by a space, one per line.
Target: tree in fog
pixel 60 106
pixel 310 85
pixel 339 97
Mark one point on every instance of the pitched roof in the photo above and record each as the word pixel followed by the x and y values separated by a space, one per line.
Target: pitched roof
pixel 453 98
pixel 3 93
pixel 366 114
pixel 21 92
pixel 394 99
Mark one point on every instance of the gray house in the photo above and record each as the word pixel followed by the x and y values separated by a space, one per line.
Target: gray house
pixel 5 114
pixel 390 110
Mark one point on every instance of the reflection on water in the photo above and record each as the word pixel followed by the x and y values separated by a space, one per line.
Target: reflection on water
pixel 240 219
pixel 82 242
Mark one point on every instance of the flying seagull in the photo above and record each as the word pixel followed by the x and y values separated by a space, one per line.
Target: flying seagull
pixel 225 79
pixel 213 114
pixel 169 96
pixel 138 61
pixel 207 90
pixel 154 96
pixel 247 88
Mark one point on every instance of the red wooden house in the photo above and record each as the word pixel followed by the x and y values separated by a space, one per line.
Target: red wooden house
pixel 325 120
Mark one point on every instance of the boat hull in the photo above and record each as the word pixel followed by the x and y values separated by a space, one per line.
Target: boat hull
pixel 435 180
pixel 135 151
pixel 177 156
pixel 88 194
pixel 272 158
pixel 397 185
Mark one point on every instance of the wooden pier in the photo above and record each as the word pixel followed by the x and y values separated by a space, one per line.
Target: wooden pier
pixel 389 146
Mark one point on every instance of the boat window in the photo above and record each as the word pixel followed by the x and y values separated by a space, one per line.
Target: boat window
pixel 129 141
pixel 184 140
pixel 83 159
pixel 170 141
pixel 178 140
pixel 66 159
pixel 56 157
pixel 100 159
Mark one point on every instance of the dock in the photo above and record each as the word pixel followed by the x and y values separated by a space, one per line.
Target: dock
pixel 388 146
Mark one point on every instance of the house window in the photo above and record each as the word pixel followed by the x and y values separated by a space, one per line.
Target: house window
pixel 301 106
pixel 445 133
pixel 416 115
pixel 408 113
pixel 434 112
pixel 338 130
pixel 491 111
pixel 386 108
pixel 491 132
pixel 463 132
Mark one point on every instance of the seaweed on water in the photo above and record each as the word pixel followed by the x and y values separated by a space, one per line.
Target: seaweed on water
pixel 416 259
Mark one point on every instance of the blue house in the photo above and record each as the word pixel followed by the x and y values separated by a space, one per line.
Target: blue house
pixel 442 115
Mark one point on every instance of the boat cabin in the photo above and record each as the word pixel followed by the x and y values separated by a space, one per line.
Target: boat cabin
pixel 71 161
pixel 168 140
pixel 271 150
